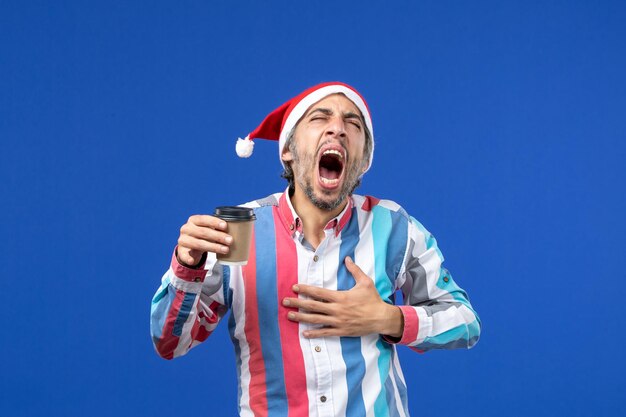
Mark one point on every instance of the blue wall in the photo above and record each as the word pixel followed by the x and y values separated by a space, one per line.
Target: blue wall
pixel 499 125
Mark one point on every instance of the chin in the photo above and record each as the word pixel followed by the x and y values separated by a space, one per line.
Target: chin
pixel 327 200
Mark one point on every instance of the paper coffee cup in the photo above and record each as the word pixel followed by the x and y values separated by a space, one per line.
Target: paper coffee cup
pixel 240 222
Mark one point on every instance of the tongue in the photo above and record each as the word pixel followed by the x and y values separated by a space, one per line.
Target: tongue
pixel 329 174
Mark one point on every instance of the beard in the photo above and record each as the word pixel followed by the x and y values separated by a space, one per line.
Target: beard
pixel 307 164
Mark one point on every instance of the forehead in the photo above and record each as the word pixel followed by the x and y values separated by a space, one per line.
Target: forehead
pixel 336 101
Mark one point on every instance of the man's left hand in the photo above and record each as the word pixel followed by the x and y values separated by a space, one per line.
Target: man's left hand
pixel 355 312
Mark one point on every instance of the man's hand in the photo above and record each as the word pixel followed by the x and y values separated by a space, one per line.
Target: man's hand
pixel 202 233
pixel 355 312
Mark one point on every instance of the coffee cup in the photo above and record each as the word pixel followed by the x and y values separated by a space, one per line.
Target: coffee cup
pixel 240 222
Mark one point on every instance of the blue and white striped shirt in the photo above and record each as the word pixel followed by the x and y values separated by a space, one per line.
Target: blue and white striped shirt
pixel 281 373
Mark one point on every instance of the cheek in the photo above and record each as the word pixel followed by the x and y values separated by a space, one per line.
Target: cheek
pixel 306 155
pixel 359 154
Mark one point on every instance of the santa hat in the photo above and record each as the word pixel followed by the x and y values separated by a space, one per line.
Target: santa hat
pixel 279 123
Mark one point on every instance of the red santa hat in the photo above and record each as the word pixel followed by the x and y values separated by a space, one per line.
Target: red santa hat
pixel 279 123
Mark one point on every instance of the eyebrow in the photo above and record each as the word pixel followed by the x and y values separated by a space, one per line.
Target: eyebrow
pixel 352 115
pixel 329 112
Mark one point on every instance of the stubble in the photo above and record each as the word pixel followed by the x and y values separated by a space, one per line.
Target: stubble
pixel 304 178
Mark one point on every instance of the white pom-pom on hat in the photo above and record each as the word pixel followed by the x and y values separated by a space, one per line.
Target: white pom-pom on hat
pixel 278 124
pixel 244 147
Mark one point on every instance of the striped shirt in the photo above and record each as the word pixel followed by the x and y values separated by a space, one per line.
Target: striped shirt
pixel 281 373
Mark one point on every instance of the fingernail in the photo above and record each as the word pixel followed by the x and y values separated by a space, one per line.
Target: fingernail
pixel 349 259
pixel 228 239
pixel 224 249
pixel 223 225
pixel 296 288
pixel 306 334
pixel 286 302
pixel 291 315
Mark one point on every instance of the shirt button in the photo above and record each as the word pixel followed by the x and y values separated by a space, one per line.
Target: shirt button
pixel 446 279
pixel 318 349
pixel 316 258
pixel 323 398
pixel 196 279
pixel 291 227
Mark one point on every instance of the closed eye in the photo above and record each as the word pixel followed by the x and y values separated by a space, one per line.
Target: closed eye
pixel 319 114
pixel 354 122
pixel 353 119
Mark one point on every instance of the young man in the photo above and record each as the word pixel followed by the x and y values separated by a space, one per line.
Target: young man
pixel 313 319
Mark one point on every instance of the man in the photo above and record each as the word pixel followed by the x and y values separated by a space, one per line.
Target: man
pixel 313 319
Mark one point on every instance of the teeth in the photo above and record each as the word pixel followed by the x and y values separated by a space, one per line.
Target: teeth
pixel 333 152
pixel 327 181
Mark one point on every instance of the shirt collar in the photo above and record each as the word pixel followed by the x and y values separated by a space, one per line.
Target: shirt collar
pixel 292 221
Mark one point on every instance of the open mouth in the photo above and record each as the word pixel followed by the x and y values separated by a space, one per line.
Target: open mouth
pixel 331 164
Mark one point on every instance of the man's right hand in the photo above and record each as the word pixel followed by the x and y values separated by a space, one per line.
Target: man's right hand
pixel 202 233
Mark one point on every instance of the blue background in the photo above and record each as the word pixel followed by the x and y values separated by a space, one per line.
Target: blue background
pixel 499 125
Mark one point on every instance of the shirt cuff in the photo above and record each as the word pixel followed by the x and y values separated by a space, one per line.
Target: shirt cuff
pixel 196 274
pixel 411 327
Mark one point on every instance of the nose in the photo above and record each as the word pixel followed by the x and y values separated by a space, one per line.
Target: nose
pixel 336 127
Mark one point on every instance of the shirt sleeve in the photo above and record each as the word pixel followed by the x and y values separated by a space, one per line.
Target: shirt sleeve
pixel 187 307
pixel 437 313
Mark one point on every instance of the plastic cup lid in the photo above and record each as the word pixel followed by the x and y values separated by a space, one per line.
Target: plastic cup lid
pixel 235 213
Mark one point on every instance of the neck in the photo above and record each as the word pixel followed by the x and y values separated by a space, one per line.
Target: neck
pixel 314 219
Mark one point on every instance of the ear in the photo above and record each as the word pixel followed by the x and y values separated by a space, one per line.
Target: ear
pixel 286 156
pixel 366 162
